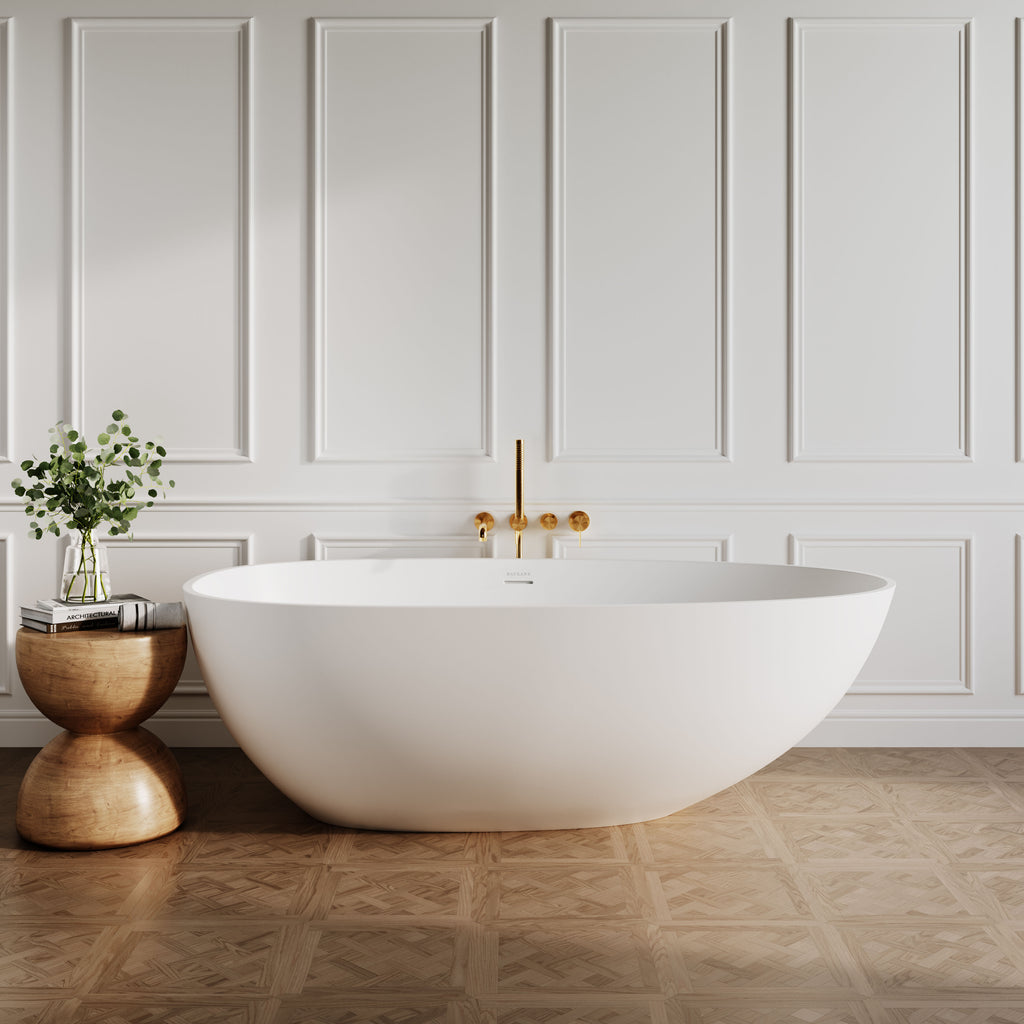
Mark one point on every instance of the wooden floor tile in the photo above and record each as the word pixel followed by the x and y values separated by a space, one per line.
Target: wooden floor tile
pixel 864 838
pixel 951 799
pixel 831 797
pixel 770 959
pixel 936 1013
pixel 162 1012
pixel 894 892
pixel 587 957
pixel 668 842
pixel 911 762
pixel 388 960
pixel 973 841
pixel 592 1013
pixel 405 893
pixel 843 1013
pixel 195 958
pixel 935 957
pixel 377 1013
pixel 556 892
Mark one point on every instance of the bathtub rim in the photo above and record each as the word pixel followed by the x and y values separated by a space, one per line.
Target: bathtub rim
pixel 191 589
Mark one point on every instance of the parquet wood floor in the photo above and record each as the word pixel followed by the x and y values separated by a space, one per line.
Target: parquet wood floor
pixel 834 887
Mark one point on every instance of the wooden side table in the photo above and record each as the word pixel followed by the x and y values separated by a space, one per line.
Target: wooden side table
pixel 106 781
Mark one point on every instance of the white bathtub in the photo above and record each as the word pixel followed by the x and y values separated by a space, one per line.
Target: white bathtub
pixel 484 694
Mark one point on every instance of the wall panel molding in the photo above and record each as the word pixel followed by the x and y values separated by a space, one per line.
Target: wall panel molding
pixel 314 502
pixel 569 439
pixel 355 447
pixel 1018 613
pixel 848 302
pixel 81 30
pixel 961 681
pixel 8 619
pixel 1019 239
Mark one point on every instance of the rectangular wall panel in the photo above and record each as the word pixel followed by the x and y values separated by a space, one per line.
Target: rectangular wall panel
pixel 638 294
pixel 329 548
pixel 160 220
pixel 156 567
pixel 679 549
pixel 402 231
pixel 879 239
pixel 925 644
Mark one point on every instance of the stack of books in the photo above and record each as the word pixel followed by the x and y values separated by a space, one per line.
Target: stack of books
pixel 55 616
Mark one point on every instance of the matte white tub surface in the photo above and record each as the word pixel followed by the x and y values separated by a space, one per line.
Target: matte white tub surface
pixel 487 694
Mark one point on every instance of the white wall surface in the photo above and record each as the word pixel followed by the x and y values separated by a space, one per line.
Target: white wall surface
pixel 743 274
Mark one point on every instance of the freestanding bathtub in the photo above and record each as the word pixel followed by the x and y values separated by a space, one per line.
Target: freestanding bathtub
pixel 486 694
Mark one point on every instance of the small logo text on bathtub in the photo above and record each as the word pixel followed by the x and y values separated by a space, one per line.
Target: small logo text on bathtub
pixel 520 576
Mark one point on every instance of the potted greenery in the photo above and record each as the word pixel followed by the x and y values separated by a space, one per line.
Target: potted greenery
pixel 82 489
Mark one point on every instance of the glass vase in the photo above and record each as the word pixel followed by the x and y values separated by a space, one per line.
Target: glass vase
pixel 86 574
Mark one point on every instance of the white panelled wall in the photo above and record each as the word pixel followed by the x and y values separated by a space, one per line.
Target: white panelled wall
pixel 744 274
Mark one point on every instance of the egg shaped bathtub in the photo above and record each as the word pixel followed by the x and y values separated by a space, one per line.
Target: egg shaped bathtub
pixel 490 695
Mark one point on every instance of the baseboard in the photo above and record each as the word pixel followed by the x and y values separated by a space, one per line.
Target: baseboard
pixel 840 729
pixel 176 729
pixel 888 729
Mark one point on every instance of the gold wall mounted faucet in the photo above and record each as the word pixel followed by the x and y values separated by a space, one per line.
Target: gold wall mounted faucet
pixel 484 521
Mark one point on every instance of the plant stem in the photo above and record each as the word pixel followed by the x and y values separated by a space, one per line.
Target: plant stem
pixel 80 568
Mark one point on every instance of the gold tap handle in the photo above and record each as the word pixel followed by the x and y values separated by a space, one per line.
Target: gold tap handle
pixel 549 520
pixel 579 521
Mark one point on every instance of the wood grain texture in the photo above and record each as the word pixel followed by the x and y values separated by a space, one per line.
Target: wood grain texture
pixel 105 782
pixel 767 904
pixel 88 791
pixel 100 681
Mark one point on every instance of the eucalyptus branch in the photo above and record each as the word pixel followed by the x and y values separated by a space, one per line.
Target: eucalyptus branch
pixel 71 490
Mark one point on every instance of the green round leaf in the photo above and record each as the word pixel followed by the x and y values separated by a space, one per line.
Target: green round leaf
pixel 117 415
pixel 103 438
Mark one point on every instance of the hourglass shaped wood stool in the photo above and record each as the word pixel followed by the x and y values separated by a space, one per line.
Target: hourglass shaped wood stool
pixel 105 782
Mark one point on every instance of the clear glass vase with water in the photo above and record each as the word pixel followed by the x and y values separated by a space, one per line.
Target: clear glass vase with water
pixel 86 574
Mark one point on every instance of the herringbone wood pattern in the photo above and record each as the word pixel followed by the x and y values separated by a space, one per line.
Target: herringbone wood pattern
pixel 833 887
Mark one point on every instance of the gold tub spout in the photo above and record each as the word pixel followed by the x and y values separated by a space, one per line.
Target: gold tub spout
pixel 484 523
